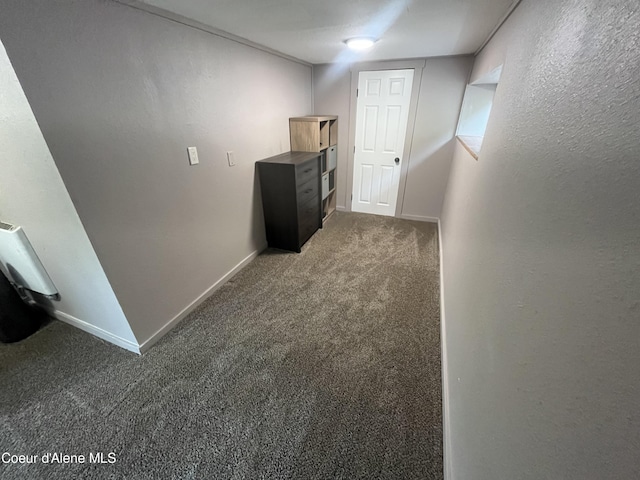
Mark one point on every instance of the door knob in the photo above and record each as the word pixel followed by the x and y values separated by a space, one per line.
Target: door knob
pixel 397 160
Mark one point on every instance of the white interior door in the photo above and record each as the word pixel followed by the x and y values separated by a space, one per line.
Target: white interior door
pixel 381 126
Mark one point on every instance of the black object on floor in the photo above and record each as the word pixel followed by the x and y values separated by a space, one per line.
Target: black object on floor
pixel 18 320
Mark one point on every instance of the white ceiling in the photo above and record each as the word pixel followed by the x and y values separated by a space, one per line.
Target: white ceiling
pixel 314 30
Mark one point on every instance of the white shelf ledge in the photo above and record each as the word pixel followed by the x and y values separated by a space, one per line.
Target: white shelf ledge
pixel 472 144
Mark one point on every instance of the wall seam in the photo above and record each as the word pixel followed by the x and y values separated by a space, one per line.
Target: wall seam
pixel 506 16
pixel 187 22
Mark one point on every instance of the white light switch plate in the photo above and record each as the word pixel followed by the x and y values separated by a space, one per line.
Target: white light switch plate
pixel 193 155
pixel 231 159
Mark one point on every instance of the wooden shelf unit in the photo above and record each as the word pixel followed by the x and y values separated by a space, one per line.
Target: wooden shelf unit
pixel 319 133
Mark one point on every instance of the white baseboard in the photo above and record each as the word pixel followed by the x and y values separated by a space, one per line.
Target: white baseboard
pixel 97 331
pixel 342 208
pixel 419 218
pixel 144 346
pixel 446 421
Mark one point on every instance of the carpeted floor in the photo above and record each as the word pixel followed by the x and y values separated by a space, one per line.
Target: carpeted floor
pixel 319 365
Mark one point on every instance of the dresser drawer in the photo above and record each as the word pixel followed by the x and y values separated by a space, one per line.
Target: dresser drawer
pixel 309 210
pixel 308 220
pixel 307 171
pixel 307 191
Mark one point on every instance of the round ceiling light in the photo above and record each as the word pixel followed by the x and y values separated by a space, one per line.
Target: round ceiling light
pixel 360 43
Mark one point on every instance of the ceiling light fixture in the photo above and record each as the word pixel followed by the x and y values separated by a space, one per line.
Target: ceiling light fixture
pixel 360 43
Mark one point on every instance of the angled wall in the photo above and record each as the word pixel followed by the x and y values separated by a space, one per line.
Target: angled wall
pixel 541 257
pixel 33 195
pixel 119 95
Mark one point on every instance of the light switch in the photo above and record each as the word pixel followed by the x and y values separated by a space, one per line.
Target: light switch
pixel 193 155
pixel 231 159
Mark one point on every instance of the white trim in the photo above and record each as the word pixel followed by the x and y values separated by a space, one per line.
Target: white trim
pixel 446 423
pixel 96 331
pixel 144 346
pixel 341 208
pixel 415 63
pixel 419 218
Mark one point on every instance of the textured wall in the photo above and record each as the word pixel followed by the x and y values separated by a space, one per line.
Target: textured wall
pixel 119 95
pixel 33 196
pixel 541 256
pixel 441 91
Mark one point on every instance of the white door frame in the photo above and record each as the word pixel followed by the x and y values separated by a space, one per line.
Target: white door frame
pixel 356 68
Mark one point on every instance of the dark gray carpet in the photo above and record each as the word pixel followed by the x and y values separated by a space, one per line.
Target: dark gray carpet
pixel 319 365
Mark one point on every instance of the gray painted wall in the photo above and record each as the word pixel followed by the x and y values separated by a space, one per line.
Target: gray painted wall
pixel 331 96
pixel 541 254
pixel 441 91
pixel 119 95
pixel 33 196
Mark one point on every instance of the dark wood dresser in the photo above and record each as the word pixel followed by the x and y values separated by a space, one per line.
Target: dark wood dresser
pixel 290 185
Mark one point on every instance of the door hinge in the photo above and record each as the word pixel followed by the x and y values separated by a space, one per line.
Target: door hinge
pixel 357 91
pixel 354 149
